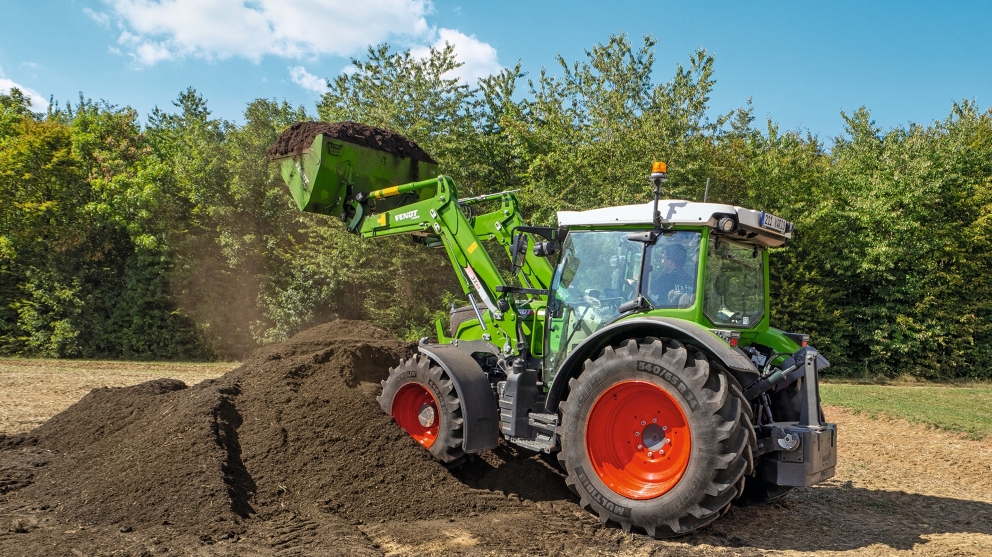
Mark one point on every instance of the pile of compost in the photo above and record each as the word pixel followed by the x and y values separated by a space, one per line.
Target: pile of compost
pixel 300 136
pixel 297 426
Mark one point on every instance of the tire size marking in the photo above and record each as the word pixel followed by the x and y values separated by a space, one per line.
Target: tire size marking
pixel 410 373
pixel 673 379
pixel 437 394
pixel 598 497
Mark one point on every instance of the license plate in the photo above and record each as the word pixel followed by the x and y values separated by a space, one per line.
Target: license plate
pixel 772 222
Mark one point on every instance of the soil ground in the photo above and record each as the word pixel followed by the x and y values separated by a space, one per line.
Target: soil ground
pixel 318 472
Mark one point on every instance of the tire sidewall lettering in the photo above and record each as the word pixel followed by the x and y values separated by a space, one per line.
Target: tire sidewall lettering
pixel 673 380
pixel 598 497
pixel 438 397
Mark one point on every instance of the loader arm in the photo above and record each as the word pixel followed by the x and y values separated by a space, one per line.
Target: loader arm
pixel 501 225
pixel 440 218
pixel 355 182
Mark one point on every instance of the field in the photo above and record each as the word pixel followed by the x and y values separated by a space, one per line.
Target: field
pixel 902 488
pixel 35 390
pixel 961 409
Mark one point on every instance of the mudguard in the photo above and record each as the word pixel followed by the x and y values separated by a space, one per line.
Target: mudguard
pixel 649 326
pixel 478 402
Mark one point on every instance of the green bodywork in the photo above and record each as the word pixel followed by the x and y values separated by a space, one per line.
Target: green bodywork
pixel 572 321
pixel 378 194
pixel 323 176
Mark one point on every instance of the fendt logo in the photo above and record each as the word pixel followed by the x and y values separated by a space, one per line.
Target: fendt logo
pixel 406 215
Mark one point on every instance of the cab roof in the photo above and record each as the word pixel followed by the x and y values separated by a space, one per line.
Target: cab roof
pixel 753 227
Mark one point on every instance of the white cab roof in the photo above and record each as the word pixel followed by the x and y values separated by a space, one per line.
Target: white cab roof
pixel 754 226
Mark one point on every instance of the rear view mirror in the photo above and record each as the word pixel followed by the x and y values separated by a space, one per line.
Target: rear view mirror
pixel 518 250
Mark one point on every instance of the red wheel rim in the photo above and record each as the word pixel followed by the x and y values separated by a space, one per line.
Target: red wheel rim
pixel 638 440
pixel 415 410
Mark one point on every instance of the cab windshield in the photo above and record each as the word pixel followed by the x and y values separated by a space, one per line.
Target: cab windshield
pixel 598 271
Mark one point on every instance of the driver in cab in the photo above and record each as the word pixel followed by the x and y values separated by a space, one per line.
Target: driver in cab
pixel 671 286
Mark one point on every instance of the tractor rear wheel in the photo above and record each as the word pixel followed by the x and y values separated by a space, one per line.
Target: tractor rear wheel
pixel 420 396
pixel 654 438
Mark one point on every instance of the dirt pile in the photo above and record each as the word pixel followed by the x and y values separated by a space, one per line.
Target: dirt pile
pixel 296 427
pixel 158 453
pixel 299 136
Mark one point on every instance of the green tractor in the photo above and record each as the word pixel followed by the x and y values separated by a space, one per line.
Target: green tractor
pixel 636 343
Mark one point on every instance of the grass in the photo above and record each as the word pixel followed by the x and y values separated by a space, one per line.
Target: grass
pixel 966 410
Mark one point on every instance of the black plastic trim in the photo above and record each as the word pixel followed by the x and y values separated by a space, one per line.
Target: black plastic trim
pixel 478 402
pixel 639 327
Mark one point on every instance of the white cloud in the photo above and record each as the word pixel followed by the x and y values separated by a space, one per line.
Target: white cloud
pixel 38 102
pixel 100 17
pixel 156 30
pixel 478 58
pixel 307 80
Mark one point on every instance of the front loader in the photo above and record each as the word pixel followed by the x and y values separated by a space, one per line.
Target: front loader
pixel 643 356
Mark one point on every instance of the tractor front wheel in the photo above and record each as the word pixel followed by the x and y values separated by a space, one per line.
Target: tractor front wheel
pixel 420 396
pixel 653 438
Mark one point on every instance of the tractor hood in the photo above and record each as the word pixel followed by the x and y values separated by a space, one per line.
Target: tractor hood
pixel 755 227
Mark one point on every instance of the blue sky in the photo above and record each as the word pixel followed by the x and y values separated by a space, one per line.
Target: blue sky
pixel 800 62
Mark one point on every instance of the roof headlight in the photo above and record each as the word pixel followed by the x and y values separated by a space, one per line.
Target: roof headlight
pixel 726 224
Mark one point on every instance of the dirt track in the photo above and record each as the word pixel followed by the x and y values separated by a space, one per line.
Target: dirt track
pixel 315 488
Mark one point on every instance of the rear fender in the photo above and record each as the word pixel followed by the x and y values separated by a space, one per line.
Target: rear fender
pixel 479 413
pixel 681 330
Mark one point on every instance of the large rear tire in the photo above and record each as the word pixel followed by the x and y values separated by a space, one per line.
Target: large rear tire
pixel 654 439
pixel 421 397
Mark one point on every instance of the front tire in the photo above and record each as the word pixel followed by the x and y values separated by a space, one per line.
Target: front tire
pixel 422 400
pixel 655 439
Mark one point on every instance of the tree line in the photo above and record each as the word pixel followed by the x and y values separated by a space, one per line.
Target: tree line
pixel 175 238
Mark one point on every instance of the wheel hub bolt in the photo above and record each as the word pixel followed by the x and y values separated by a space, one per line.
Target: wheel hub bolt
pixel 639 447
pixel 664 428
pixel 668 441
pixel 654 420
pixel 661 452
pixel 650 454
pixel 637 434
pixel 643 422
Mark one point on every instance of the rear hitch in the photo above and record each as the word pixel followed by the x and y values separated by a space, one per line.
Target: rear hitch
pixel 803 455
pixel 804 452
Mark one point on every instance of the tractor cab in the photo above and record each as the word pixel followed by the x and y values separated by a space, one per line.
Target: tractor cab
pixel 707 263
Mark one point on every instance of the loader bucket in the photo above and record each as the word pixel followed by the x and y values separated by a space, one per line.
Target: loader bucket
pixel 323 176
